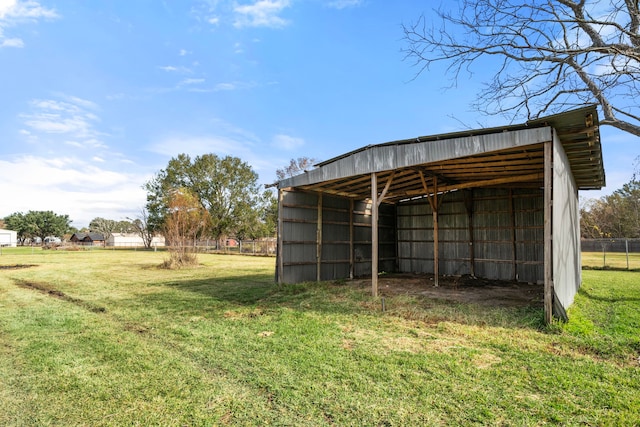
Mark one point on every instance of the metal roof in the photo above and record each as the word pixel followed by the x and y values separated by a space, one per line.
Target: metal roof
pixel 506 156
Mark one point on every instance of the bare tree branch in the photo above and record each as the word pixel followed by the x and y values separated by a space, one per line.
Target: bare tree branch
pixel 550 55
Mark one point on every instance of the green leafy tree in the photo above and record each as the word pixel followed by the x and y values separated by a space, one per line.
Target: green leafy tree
pixel 17 222
pixel 226 187
pixel 545 55
pixel 106 227
pixel 616 215
pixel 264 220
pixel 124 226
pixel 38 224
pixel 269 215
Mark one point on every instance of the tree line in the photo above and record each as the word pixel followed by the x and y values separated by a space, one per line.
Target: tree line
pixel 614 216
pixel 213 197
pixel 205 197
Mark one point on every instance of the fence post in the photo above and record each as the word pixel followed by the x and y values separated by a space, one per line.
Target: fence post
pixel 626 246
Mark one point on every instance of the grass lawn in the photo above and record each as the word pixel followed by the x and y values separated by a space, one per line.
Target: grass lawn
pixel 107 338
pixel 611 260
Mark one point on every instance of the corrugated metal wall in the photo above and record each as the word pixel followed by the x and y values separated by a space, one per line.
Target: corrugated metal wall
pixel 567 274
pixel 506 225
pixel 341 231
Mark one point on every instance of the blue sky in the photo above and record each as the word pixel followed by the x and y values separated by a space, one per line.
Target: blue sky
pixel 97 96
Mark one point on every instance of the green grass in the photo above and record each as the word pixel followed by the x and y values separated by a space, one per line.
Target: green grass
pixel 610 260
pixel 108 338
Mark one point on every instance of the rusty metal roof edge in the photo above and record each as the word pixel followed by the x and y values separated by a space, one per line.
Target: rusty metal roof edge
pixel 542 121
pixel 555 121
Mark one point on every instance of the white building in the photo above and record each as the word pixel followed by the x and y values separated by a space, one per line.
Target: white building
pixel 8 238
pixel 132 240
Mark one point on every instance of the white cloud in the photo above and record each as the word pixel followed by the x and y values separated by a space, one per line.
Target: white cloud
pixel 197 145
pixel 183 52
pixel 73 186
pixel 28 9
pixel 226 86
pixel 262 13
pixel 286 142
pixel 220 87
pixel 185 82
pixel 69 117
pixel 12 43
pixel 343 4
pixel 14 12
pixel 6 6
pixel 229 141
pixel 174 69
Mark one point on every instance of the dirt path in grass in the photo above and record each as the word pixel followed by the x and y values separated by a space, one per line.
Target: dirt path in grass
pixel 52 292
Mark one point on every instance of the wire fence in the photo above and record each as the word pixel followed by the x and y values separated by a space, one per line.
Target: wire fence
pixel 596 253
pixel 229 246
pixel 611 253
pixel 244 247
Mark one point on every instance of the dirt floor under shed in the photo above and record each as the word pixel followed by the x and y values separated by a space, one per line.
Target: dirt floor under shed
pixel 465 289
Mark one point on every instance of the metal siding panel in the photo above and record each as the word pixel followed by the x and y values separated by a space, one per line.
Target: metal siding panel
pixel 294 235
pixel 334 271
pixel 299 273
pixel 335 252
pixel 388 157
pixel 566 229
pixel 299 253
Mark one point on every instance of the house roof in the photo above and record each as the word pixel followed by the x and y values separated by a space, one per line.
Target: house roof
pixel 508 155
pixel 91 235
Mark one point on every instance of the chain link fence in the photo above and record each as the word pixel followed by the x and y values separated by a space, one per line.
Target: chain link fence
pixel 264 247
pixel 611 253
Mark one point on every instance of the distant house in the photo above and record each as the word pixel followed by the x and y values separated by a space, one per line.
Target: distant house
pixel 132 240
pixel 88 239
pixel 8 238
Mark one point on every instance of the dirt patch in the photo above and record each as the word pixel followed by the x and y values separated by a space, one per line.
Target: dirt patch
pixel 16 266
pixel 52 292
pixel 465 289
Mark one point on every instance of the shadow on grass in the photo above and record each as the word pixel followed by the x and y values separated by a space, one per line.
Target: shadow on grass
pixel 609 268
pixel 591 296
pixel 331 297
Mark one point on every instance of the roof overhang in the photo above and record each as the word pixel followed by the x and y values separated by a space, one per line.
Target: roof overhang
pixel 504 156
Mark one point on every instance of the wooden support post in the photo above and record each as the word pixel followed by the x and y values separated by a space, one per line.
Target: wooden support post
pixel 279 243
pixel 374 235
pixel 433 201
pixel 351 235
pixel 319 240
pixel 514 246
pixel 468 203
pixel 548 237
pixel 436 249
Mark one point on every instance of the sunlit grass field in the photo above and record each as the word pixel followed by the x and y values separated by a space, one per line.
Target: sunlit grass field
pixel 611 260
pixel 108 338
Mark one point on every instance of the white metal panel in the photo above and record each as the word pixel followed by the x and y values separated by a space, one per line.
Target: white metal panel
pixel 567 275
pixel 378 158
pixel 8 238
